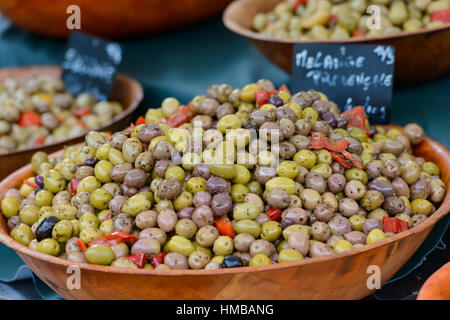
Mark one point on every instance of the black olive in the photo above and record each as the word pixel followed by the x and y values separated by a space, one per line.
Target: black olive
pixel 90 162
pixel 39 181
pixel 232 262
pixel 45 228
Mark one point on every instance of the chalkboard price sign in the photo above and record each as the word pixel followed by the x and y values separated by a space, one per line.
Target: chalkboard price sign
pixel 350 75
pixel 90 65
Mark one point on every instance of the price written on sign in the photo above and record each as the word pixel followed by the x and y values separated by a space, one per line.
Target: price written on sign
pixel 90 65
pixel 349 75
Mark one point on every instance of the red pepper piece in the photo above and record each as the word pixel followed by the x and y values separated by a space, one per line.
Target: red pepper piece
pixel 182 115
pixel 141 120
pixel 114 238
pixel 81 124
pixel 440 15
pixel 274 214
pixel 333 18
pixel 39 141
pixel 347 155
pixel 29 118
pixel 340 158
pixel 394 225
pixel 157 260
pixel 81 245
pixel 129 129
pixel 108 216
pixel 356 118
pixel 262 97
pixel 358 33
pixel 319 141
pixel 284 87
pixel 138 259
pixel 30 184
pixel 223 224
pixel 81 112
pixel 298 3
pixel 73 184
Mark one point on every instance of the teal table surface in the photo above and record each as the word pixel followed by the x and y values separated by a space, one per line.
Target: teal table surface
pixel 184 64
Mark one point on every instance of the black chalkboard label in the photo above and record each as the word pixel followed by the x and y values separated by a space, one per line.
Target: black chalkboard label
pixel 350 75
pixel 90 65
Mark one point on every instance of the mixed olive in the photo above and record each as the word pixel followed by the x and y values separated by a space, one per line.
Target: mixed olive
pixel 237 177
pixel 39 112
pixel 305 20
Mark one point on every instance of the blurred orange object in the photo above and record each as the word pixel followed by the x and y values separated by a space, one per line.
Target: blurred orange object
pixel 437 287
pixel 110 19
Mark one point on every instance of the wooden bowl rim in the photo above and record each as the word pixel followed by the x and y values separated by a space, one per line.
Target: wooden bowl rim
pixel 22 249
pixel 237 28
pixel 128 111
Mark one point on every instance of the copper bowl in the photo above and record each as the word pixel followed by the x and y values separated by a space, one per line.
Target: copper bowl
pixel 419 55
pixel 437 287
pixel 106 18
pixel 340 276
pixel 127 91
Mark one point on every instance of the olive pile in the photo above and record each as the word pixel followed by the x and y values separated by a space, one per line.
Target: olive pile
pixel 40 112
pixel 205 195
pixel 305 20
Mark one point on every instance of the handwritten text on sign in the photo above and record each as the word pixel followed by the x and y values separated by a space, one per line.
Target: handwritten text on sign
pixel 349 75
pixel 90 65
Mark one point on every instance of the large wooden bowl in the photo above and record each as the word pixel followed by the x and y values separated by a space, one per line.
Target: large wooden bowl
pixel 127 91
pixel 341 276
pixel 437 287
pixel 106 18
pixel 419 56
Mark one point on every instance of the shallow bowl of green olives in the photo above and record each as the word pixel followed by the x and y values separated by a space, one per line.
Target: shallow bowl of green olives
pixel 345 275
pixel 127 91
pixel 420 55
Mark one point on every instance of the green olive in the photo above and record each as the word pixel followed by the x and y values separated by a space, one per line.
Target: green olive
pixel 295 228
pixel 239 192
pixel 246 211
pixel 342 245
pixel 76 227
pixel 83 153
pixel 306 158
pixel 196 184
pixel 22 233
pixel 186 228
pixel 89 234
pixel 124 263
pixel 230 121
pixel 243 175
pixel 356 174
pixel 54 181
pixel 410 172
pixel 100 254
pixel 322 169
pixel 288 169
pixel 283 245
pixel 68 169
pixel 102 169
pixel 102 152
pixel 107 226
pixel 184 200
pixel 223 246
pixel 89 183
pixel 284 183
pixel 175 172
pixel 357 222
pixel 29 214
pixel 136 204
pixel 271 231
pixel 181 245
pixel 431 168
pixel 37 159
pixel 65 212
pixel 49 246
pixel 89 219
pixel 248 226
pixel 115 156
pixel 311 115
pixel 131 148
pixel 226 171
pixel 100 199
pixel 375 235
pixel 62 231
pixel 247 93
pixel 254 187
pixel 421 206
pixel 260 260
pixel 10 207
pixel 169 105
pixel 289 255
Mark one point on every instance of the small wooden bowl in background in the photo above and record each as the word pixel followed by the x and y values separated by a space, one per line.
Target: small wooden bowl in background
pixel 107 18
pixel 419 55
pixel 340 276
pixel 127 91
pixel 437 287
